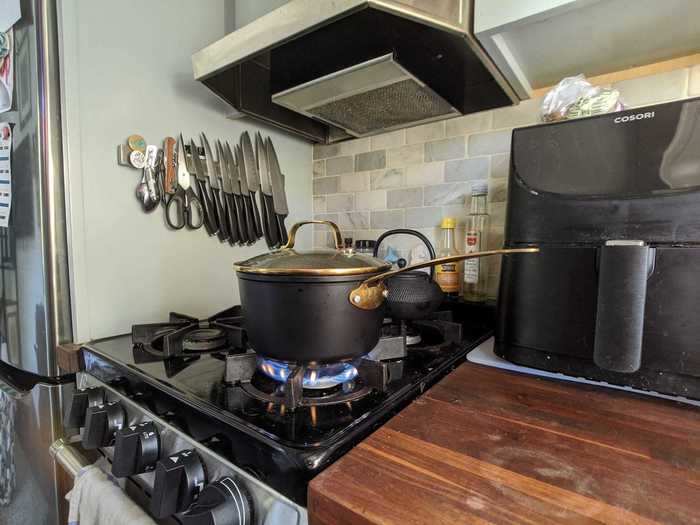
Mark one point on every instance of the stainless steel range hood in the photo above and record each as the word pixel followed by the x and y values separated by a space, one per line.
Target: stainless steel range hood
pixel 333 69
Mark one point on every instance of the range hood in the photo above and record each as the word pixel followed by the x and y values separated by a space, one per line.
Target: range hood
pixel 334 69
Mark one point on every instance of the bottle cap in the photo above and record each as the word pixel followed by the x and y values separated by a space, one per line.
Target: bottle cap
pixel 448 222
pixel 480 187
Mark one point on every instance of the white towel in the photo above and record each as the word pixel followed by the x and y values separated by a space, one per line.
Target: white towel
pixel 97 499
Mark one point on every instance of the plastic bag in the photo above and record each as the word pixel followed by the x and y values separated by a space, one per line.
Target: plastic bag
pixel 575 97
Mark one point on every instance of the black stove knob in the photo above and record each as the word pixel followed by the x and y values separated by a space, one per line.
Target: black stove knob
pixel 82 399
pixel 178 481
pixel 136 449
pixel 225 502
pixel 101 424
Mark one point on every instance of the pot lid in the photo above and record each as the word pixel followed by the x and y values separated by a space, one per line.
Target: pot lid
pixel 288 261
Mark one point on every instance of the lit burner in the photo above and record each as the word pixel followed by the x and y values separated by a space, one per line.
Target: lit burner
pixel 316 377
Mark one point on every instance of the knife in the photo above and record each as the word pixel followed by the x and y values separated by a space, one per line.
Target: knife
pixel 237 197
pixel 227 198
pixel 253 176
pixel 213 172
pixel 266 205
pixel 170 166
pixel 207 205
pixel 247 203
pixel 278 196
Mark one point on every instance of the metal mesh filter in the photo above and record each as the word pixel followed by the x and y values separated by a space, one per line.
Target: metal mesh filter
pixel 399 104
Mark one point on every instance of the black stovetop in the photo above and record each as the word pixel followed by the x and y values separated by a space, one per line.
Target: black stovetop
pixel 285 448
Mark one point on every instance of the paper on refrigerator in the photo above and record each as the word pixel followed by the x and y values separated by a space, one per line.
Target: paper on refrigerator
pixel 6 70
pixel 5 174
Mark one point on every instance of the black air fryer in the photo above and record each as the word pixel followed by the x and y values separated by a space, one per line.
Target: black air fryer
pixel 613 202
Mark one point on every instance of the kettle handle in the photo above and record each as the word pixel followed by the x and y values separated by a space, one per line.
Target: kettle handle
pixel 333 226
pixel 406 231
pixel 371 292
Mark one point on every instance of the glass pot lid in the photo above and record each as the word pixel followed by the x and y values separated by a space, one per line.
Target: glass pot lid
pixel 288 261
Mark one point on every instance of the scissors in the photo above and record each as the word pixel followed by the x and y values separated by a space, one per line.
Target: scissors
pixel 188 208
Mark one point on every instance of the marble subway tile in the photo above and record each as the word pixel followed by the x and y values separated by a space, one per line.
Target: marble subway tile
pixel 371 200
pixel 425 132
pixel 468 124
pixel 442 194
pixel 353 182
pixel 324 151
pixel 339 165
pixel 387 220
pixel 392 139
pixel 385 179
pixel 424 174
pixel 323 239
pixel 489 143
pixel 319 204
pixel 372 160
pixel 340 202
pixel 404 156
pixel 404 198
pixel 326 185
pixel 446 149
pixel 333 217
pixel 423 217
pixel 467 169
pixel 319 168
pixel 353 220
pixel 500 165
pixel 352 147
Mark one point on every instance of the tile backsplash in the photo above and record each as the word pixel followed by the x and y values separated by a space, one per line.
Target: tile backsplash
pixel 412 178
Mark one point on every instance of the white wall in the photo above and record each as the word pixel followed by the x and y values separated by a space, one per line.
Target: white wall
pixel 245 11
pixel 127 69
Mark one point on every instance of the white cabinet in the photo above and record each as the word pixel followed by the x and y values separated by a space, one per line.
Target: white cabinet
pixel 537 42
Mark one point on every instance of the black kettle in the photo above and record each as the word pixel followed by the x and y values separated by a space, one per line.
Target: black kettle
pixel 412 295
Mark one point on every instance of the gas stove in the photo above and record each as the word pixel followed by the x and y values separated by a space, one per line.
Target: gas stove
pixel 274 425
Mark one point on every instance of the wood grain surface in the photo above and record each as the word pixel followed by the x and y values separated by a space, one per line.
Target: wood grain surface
pixel 490 446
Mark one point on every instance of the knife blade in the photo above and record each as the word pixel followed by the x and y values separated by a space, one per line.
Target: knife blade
pixel 278 196
pixel 214 176
pixel 252 234
pixel 207 205
pixel 237 197
pixel 227 197
pixel 253 178
pixel 269 221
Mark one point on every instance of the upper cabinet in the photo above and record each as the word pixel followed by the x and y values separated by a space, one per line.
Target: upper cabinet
pixel 535 43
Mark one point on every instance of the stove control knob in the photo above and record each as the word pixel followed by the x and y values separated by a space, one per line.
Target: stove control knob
pixel 136 449
pixel 178 481
pixel 224 502
pixel 101 424
pixel 82 399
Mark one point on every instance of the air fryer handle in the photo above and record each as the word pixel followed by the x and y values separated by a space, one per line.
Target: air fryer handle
pixel 624 267
pixel 405 231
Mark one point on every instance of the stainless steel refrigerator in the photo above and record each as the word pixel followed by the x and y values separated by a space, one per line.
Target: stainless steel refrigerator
pixel 35 313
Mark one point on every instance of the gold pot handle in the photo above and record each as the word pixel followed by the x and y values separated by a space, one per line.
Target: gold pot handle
pixel 371 293
pixel 333 226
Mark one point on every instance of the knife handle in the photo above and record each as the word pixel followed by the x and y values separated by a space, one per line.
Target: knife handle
pixel 249 219
pixel 266 228
pixel 256 216
pixel 207 208
pixel 223 227
pixel 270 221
pixel 240 219
pixel 230 214
pixel 282 229
pixel 170 163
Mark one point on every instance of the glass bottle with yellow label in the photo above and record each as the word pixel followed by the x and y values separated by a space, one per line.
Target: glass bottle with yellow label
pixel 448 276
pixel 476 270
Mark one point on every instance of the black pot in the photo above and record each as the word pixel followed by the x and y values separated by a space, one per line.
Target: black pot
pixel 307 319
pixel 319 306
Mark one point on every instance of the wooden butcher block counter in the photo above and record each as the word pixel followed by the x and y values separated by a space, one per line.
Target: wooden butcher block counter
pixel 489 446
